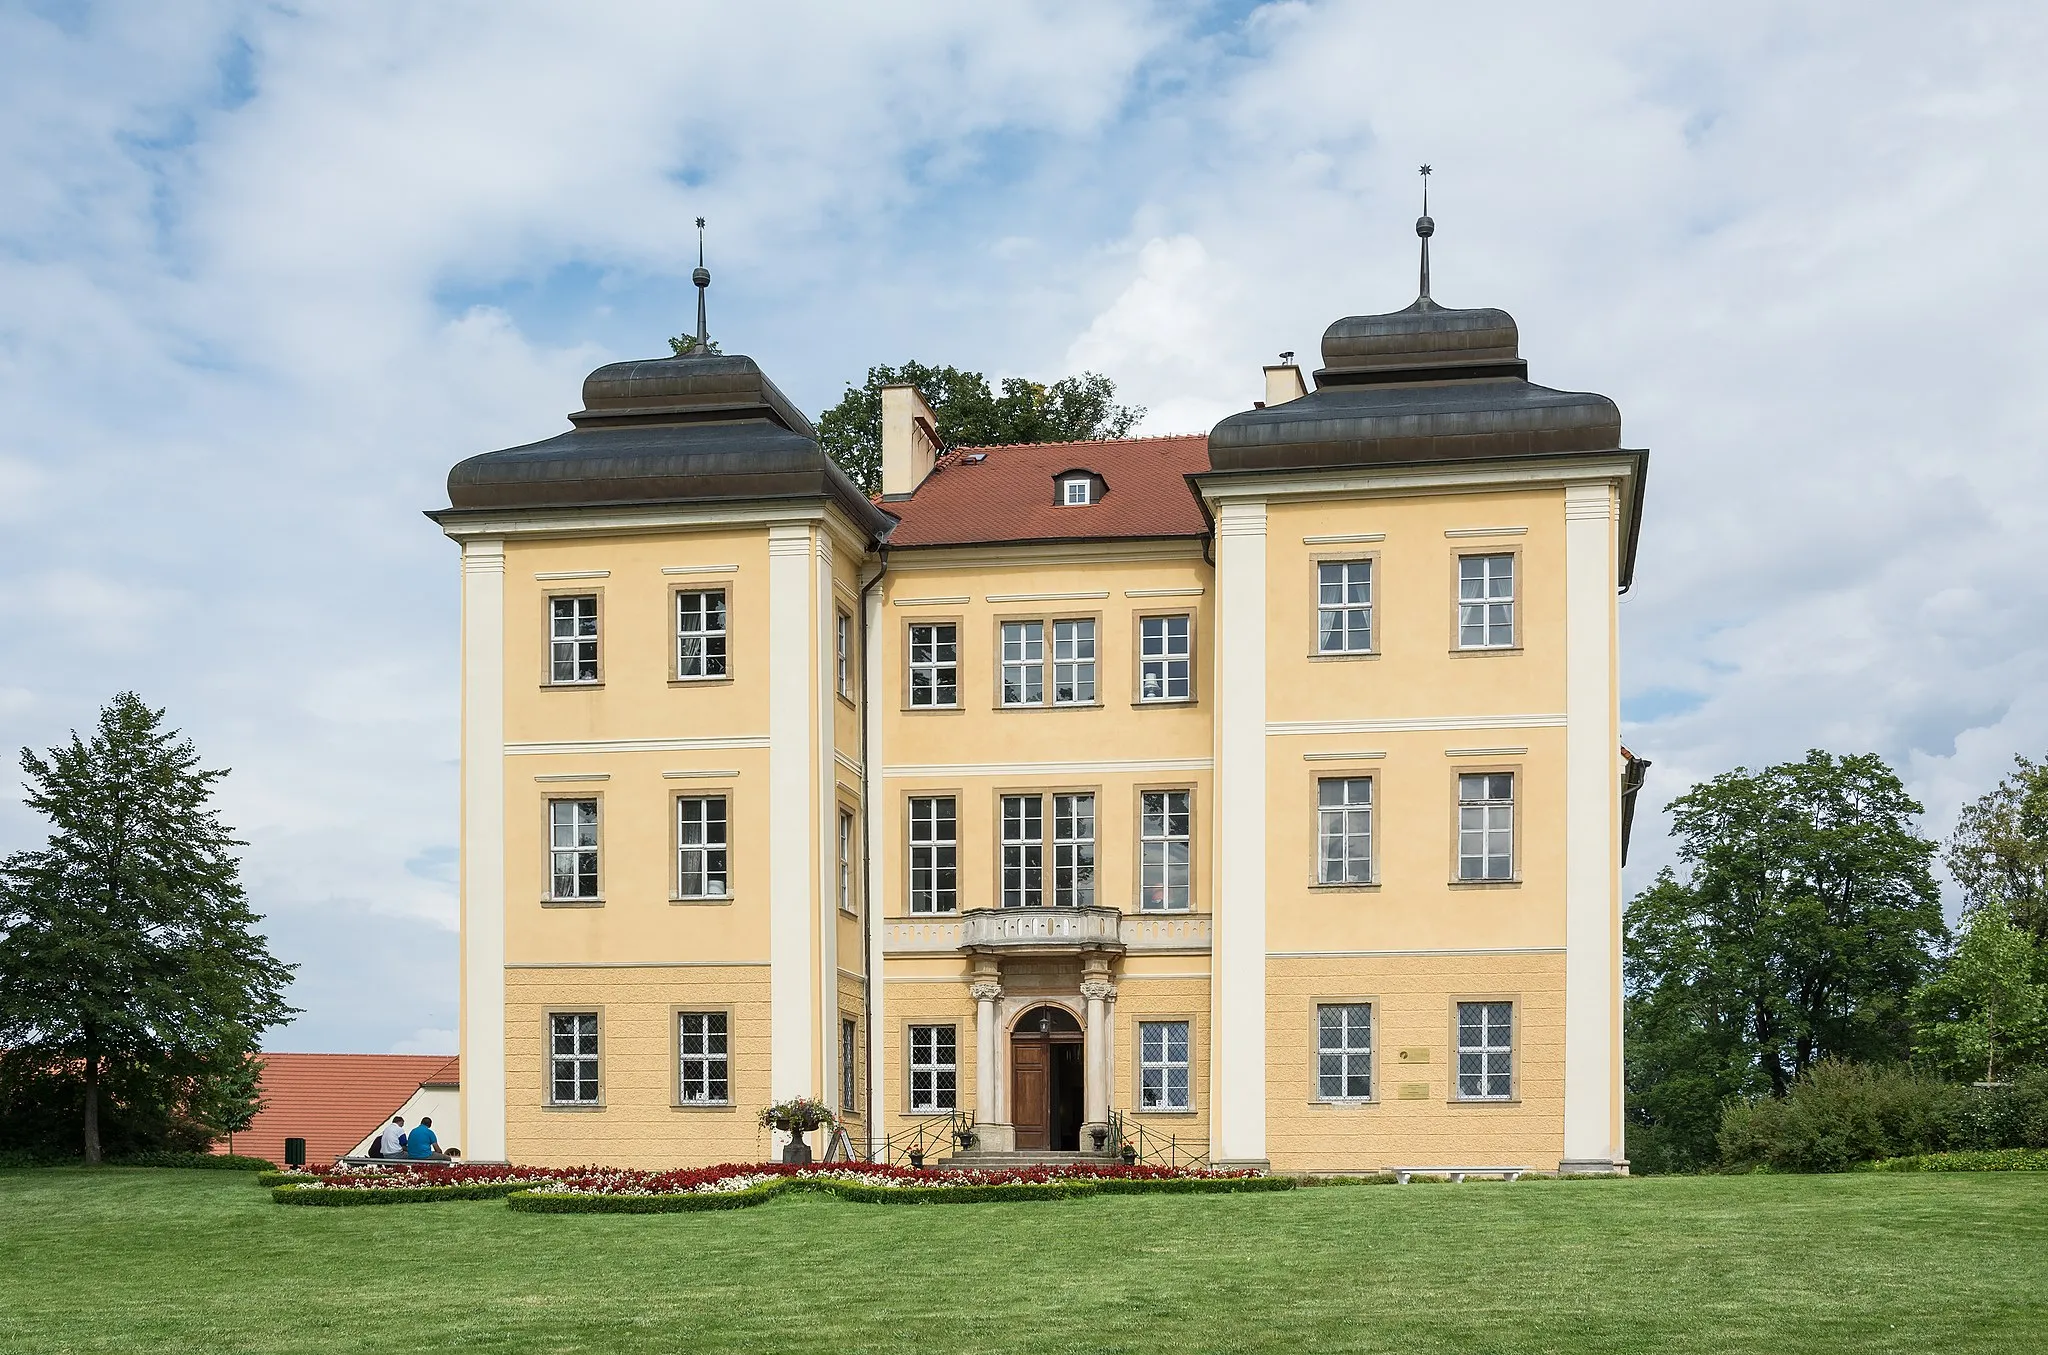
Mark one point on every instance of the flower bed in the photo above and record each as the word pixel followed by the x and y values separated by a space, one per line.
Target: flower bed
pixel 558 1190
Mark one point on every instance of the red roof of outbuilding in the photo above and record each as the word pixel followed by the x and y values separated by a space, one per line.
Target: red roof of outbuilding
pixel 333 1101
pixel 1008 493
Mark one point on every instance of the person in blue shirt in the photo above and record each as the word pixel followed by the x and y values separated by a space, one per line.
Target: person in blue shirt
pixel 422 1142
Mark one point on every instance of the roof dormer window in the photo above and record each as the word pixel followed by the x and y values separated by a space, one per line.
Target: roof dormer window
pixel 1076 490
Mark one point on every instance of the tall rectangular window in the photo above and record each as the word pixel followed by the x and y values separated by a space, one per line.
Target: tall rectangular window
pixel 845 655
pixel 572 849
pixel 935 664
pixel 934 1068
pixel 703 1077
pixel 572 1058
pixel 572 639
pixel 1344 606
pixel 1163 658
pixel 1344 1051
pixel 700 634
pixel 1486 1051
pixel 1164 828
pixel 934 855
pixel 1163 1065
pixel 845 862
pixel 1486 826
pixel 1073 851
pixel 1486 601
pixel 701 847
pixel 1073 663
pixel 849 1066
pixel 1023 851
pixel 1023 663
pixel 1344 830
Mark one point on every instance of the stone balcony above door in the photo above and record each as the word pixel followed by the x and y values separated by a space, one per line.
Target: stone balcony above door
pixel 1046 931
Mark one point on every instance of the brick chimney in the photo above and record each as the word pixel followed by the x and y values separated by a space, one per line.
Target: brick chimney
pixel 910 439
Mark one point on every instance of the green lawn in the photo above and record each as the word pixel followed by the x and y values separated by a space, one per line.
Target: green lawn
pixel 175 1261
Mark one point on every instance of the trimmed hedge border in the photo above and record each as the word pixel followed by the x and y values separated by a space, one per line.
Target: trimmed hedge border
pixel 226 1162
pixel 1987 1160
pixel 344 1196
pixel 856 1192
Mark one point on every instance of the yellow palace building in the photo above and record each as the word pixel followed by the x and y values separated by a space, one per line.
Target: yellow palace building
pixel 1255 797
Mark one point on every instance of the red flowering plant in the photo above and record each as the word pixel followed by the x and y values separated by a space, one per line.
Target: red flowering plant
pixel 736 1176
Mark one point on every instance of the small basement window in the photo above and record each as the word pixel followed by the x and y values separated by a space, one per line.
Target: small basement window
pixel 1077 489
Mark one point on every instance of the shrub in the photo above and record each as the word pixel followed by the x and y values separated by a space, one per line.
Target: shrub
pixel 1837 1115
pixel 2001 1117
pixel 344 1196
pixel 224 1162
pixel 1996 1160
pixel 529 1201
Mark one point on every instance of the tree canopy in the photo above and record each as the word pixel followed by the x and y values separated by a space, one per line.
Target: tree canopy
pixel 1800 933
pixel 968 412
pixel 1998 852
pixel 129 960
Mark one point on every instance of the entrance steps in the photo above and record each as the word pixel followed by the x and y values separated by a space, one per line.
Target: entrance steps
pixel 1026 1157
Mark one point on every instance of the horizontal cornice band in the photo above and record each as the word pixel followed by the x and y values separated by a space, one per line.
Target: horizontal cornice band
pixel 1415 724
pixel 636 745
pixel 1164 764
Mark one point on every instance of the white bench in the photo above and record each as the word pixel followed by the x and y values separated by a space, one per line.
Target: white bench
pixel 1457 1174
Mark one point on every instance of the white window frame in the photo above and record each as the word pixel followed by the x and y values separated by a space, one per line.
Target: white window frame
pixel 846 861
pixel 579 1056
pixel 574 841
pixel 1166 658
pixel 934 1058
pixel 1074 662
pixel 1084 484
pixel 934 860
pixel 1158 1088
pixel 707 861
pixel 703 1058
pixel 1340 617
pixel 1022 860
pixel 1344 1051
pixel 1073 850
pixel 572 640
pixel 1486 827
pixel 1022 645
pixel 1346 824
pixel 845 655
pixel 1157 842
pixel 1486 601
pixel 1486 1050
pixel 708 609
pixel 940 669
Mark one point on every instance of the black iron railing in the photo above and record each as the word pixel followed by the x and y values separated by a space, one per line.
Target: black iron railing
pixel 1136 1144
pixel 930 1139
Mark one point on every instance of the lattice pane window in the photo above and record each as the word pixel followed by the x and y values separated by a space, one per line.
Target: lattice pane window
pixel 1076 490
pixel 845 656
pixel 845 862
pixel 701 847
pixel 1164 850
pixel 934 1068
pixel 1344 1051
pixel 1023 851
pixel 1486 601
pixel 1163 658
pixel 935 665
pixel 572 849
pixel 1344 830
pixel 1485 1051
pixel 572 639
pixel 572 1058
pixel 1344 606
pixel 849 1083
pixel 934 855
pixel 705 1061
pixel 1073 851
pixel 1023 663
pixel 700 634
pixel 1163 1065
pixel 1486 826
pixel 1073 663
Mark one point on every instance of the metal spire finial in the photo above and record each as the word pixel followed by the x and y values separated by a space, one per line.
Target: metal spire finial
pixel 702 277
pixel 1425 228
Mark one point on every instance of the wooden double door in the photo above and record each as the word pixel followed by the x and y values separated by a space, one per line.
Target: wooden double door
pixel 1048 1082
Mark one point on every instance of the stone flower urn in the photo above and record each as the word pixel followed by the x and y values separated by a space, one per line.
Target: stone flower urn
pixel 796 1152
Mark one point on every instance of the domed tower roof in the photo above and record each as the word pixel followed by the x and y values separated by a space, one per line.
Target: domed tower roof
pixel 701 427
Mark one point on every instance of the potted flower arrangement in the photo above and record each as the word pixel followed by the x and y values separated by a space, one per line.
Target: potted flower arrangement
pixel 797 1117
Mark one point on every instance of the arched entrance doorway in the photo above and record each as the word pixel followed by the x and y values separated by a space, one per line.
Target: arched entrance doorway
pixel 1047 1082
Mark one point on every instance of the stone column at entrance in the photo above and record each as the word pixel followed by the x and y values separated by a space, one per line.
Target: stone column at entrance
pixel 991 1136
pixel 1099 991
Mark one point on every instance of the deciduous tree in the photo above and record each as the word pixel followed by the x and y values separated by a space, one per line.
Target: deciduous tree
pixel 1987 1004
pixel 1998 852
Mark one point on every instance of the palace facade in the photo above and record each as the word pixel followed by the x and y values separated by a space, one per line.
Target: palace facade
pixel 1258 794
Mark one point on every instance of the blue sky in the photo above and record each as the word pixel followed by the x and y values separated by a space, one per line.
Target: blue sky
pixel 266 271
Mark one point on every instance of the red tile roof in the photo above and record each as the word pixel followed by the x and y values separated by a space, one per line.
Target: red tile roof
pixel 1008 493
pixel 333 1101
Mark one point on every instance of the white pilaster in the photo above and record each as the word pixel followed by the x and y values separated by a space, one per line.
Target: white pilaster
pixel 1238 1100
pixel 987 992
pixel 482 1131
pixel 874 909
pixel 793 971
pixel 826 775
pixel 1591 784
pixel 1095 1054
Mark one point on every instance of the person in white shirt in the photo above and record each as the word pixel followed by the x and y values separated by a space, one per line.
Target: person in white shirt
pixel 391 1143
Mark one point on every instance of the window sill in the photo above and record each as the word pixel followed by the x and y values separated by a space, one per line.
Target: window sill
pixel 849 912
pixel 932 916
pixel 846 701
pixel 928 1114
pixel 1164 1110
pixel 1345 1102
pixel 570 686
pixel 1480 651
pixel 722 901
pixel 722 680
pixel 1142 911
pixel 573 1108
pixel 953 709
pixel 1368 887
pixel 1339 655
pixel 572 903
pixel 1141 703
pixel 1515 883
pixel 1048 705
pixel 1483 1101
pixel 704 1105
